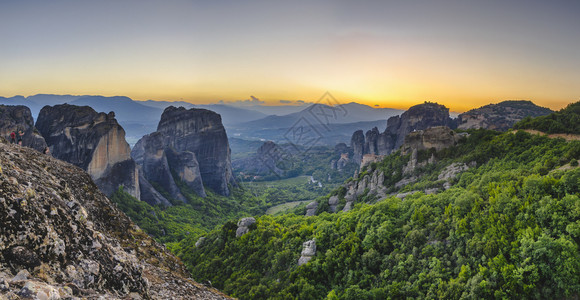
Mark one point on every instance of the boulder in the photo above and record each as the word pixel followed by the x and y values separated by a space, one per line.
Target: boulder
pixel 199 242
pixel 347 206
pixel 311 208
pixel 41 290
pixel 333 203
pixel 243 226
pixel 308 251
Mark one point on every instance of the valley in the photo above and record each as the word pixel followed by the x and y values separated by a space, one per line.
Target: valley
pixel 184 150
pixel 417 209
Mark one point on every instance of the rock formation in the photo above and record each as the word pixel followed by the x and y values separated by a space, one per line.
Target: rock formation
pixel 341 148
pixel 18 118
pixel 244 226
pixel 438 137
pixel 357 143
pixel 451 171
pixel 333 203
pixel 264 162
pixel 93 141
pixel 311 209
pixel 418 117
pixel 60 237
pixel 157 161
pixel 501 116
pixel 191 144
pixel 369 159
pixel 372 183
pixel 341 163
pixel 308 252
pixel 199 242
pixel 372 141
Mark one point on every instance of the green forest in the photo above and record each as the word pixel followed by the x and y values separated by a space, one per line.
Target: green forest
pixel 564 121
pixel 508 227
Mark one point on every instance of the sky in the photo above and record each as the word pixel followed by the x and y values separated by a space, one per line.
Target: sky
pixel 462 54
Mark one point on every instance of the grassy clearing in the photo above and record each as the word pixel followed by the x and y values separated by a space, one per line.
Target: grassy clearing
pixel 284 207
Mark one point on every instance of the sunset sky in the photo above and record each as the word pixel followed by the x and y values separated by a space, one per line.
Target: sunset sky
pixel 463 54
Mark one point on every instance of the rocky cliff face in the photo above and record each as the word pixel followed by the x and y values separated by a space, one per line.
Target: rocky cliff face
pixel 501 116
pixel 191 144
pixel 93 141
pixel 18 118
pixel 60 237
pixel 418 117
pixel 159 163
pixel 357 143
pixel 200 131
pixel 373 182
pixel 438 137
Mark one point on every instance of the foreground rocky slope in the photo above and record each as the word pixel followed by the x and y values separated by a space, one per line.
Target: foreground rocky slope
pixel 93 141
pixel 191 144
pixel 60 237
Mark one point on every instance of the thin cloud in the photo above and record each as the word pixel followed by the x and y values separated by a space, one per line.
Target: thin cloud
pixel 248 102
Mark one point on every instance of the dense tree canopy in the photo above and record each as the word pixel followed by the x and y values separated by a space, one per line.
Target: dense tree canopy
pixel 508 228
pixel 566 120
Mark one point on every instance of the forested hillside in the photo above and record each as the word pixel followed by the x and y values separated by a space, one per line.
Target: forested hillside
pixel 566 120
pixel 505 225
pixel 507 228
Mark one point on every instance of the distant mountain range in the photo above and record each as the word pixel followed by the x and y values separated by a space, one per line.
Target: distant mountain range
pixel 332 124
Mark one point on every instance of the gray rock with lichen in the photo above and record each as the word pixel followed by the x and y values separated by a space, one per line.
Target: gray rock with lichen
pixel 199 242
pixel 333 203
pixel 308 252
pixel 60 237
pixel 243 226
pixel 452 171
pixel 311 209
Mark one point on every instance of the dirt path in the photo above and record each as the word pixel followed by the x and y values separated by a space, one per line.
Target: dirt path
pixel 566 136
